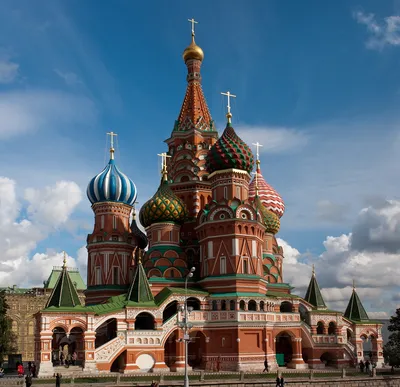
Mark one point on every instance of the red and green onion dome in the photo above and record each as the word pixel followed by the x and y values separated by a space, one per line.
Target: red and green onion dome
pixel 270 220
pixel 230 151
pixel 164 206
pixel 269 197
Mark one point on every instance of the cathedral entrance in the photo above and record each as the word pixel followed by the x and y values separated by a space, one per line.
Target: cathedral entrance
pixel 106 332
pixel 59 334
pixel 197 348
pixel 283 349
pixel 170 349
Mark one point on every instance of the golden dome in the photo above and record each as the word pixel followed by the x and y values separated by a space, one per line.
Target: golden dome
pixel 193 51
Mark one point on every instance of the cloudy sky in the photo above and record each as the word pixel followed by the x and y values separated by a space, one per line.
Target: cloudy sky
pixel 317 84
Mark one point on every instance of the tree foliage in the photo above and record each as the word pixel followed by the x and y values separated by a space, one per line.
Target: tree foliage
pixel 7 337
pixel 391 351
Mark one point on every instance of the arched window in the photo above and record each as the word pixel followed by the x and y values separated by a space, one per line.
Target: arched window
pixel 223 305
pixel 262 306
pixel 286 307
pixel 194 303
pixel 144 321
pixel 214 305
pixel 320 328
pixel 242 305
pixel 331 328
pixel 252 306
pixel 232 305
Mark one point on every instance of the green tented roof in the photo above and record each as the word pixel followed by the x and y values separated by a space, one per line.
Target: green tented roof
pixel 64 294
pixel 355 310
pixel 140 291
pixel 74 275
pixel 313 294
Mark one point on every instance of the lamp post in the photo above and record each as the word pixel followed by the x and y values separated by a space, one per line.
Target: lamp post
pixel 186 326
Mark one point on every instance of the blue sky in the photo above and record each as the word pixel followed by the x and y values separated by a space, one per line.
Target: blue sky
pixel 316 83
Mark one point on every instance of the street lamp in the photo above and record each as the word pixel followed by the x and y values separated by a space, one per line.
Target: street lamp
pixel 185 325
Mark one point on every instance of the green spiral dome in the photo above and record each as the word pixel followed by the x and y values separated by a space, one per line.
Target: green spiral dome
pixel 270 220
pixel 164 206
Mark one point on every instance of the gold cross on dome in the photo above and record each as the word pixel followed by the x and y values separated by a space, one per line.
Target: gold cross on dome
pixel 229 95
pixel 112 135
pixel 193 22
pixel 164 157
pixel 65 259
pixel 258 146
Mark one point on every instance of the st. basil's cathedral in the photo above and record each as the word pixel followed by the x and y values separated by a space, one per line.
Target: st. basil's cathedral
pixel 210 244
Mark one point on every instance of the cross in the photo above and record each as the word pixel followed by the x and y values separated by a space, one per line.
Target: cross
pixel 112 135
pixel 163 161
pixel 193 23
pixel 65 259
pixel 229 95
pixel 257 145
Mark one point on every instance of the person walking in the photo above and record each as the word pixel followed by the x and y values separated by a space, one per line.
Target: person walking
pixel 282 381
pixel 266 366
pixel 278 382
pixel 74 357
pixel 28 380
pixel 361 364
pixel 367 365
pixel 58 380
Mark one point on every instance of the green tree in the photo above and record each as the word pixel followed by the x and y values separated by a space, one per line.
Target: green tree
pixel 391 350
pixel 7 337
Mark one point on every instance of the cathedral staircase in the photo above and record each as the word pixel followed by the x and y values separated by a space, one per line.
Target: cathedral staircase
pixel 68 371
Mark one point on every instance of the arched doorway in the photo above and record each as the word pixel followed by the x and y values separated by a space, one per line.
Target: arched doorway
pixel 193 302
pixel 119 364
pixel 106 332
pixel 283 349
pixel 144 321
pixel 242 305
pixel 332 328
pixel 170 310
pixel 369 346
pixel 197 349
pixel 77 344
pixel 329 359
pixel 59 334
pixel 320 328
pixel 170 349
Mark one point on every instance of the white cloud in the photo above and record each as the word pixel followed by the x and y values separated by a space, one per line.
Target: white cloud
pixel 274 140
pixel 331 212
pixel 369 257
pixel 378 315
pixel 385 33
pixel 8 71
pixel 20 230
pixel 70 78
pixel 37 110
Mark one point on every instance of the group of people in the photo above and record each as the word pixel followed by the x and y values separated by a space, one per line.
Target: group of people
pixel 366 367
pixel 69 359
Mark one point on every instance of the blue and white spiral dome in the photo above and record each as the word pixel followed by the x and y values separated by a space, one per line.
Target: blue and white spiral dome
pixel 111 185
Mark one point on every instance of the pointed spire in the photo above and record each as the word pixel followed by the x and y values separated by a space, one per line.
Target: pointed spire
pixel 313 294
pixel 112 135
pixel 355 310
pixel 140 291
pixel 64 294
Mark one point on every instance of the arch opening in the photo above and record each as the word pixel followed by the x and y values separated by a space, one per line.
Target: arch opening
pixel 194 303
pixel 286 307
pixel 284 351
pixel 170 310
pixel 106 332
pixel 252 305
pixel 144 321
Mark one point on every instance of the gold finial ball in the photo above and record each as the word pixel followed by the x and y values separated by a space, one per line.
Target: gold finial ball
pixel 193 51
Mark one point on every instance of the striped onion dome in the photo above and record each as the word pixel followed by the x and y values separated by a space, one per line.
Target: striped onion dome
pixel 269 197
pixel 270 220
pixel 111 185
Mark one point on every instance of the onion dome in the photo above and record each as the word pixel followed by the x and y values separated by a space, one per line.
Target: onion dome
pixel 111 185
pixel 270 220
pixel 137 232
pixel 164 206
pixel 269 197
pixel 193 51
pixel 230 151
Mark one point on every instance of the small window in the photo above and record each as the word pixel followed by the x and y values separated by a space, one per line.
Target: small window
pixel 205 268
pixel 99 239
pixel 116 275
pixel 98 275
pixel 222 216
pixel 245 266
pixel 114 238
pixel 238 192
pixel 171 236
pixel 159 235
pixel 222 265
pixel 102 222
pixel 114 222
pixel 225 192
